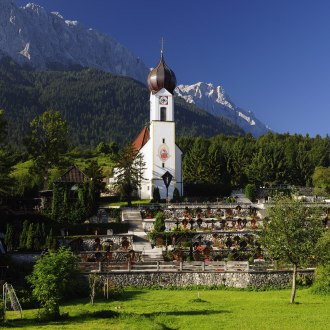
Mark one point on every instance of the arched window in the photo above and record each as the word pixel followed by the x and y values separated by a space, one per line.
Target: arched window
pixel 163 113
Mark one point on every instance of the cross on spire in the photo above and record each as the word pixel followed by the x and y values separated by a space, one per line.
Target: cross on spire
pixel 162 46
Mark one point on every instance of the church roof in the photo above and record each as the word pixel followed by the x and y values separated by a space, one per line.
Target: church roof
pixel 73 175
pixel 161 77
pixel 141 139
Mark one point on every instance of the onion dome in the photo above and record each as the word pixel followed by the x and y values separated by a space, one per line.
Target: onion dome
pixel 161 77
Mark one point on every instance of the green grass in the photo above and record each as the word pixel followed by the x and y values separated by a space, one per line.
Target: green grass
pixel 191 309
pixel 137 202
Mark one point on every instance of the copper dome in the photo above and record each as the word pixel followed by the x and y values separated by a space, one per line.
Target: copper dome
pixel 161 77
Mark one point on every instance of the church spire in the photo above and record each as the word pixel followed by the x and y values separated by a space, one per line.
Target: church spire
pixel 161 76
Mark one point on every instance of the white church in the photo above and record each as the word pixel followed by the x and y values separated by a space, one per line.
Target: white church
pixel 162 157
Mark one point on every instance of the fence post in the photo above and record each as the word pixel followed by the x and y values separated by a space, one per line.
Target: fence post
pixel 181 265
pixel 100 267
pixel 158 268
pixel 129 266
pixel 203 266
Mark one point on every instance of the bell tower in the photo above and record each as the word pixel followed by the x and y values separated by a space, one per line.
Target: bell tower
pixel 164 157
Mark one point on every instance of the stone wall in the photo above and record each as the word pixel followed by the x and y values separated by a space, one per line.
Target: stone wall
pixel 259 280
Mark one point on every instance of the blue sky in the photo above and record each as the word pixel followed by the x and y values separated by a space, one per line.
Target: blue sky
pixel 271 56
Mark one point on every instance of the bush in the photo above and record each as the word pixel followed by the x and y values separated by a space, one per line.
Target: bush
pixel 322 280
pixel 159 224
pixel 250 191
pixel 52 275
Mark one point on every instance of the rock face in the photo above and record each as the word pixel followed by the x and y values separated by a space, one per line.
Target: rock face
pixel 214 100
pixel 46 40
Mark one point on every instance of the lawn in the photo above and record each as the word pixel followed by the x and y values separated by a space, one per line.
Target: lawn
pixel 181 309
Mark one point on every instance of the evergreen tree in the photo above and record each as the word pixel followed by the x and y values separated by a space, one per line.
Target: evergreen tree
pixel 51 243
pixel 176 195
pixel 9 237
pixel 37 239
pixel 130 166
pixel 156 195
pixel 30 238
pixel 23 235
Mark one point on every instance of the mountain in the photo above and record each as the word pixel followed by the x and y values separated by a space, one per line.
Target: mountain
pixel 214 100
pixel 98 106
pixel 31 36
pixel 44 40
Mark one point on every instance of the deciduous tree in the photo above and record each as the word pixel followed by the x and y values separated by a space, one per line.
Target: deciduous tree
pixel 52 275
pixel 290 234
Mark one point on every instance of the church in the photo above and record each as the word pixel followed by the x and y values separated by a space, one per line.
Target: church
pixel 156 143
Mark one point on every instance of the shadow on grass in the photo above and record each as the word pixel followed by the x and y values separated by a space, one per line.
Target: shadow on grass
pixel 104 314
pixel 182 313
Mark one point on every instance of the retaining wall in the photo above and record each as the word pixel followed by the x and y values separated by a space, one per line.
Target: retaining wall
pixel 279 279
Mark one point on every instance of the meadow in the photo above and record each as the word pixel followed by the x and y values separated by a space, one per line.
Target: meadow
pixel 189 309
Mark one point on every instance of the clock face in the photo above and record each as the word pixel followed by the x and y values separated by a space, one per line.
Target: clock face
pixel 163 100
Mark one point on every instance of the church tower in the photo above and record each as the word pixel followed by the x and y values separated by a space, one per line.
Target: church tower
pixel 161 155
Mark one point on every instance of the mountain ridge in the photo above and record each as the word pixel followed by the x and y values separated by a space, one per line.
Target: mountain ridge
pixel 98 106
pixel 214 100
pixel 30 35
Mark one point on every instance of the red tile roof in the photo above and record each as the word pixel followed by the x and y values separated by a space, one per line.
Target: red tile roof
pixel 141 139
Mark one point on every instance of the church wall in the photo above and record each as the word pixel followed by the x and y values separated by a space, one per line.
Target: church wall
pixel 164 152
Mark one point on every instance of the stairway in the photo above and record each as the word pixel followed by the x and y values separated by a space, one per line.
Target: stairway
pixel 140 240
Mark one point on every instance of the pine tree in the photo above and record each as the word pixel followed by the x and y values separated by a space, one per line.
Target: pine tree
pixel 30 237
pixel 23 236
pixel 9 237
pixel 37 243
pixel 51 242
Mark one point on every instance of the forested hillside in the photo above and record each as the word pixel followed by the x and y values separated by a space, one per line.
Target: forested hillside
pixel 98 106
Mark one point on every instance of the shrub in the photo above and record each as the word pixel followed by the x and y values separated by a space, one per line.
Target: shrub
pixel 52 275
pixel 250 191
pixel 159 224
pixel 322 280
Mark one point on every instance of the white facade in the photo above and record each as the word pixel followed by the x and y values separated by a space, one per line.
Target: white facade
pixel 160 153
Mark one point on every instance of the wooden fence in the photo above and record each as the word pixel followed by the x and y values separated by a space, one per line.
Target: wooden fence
pixel 160 266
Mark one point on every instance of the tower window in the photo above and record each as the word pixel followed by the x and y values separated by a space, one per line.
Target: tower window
pixel 163 113
pixel 163 140
pixel 163 164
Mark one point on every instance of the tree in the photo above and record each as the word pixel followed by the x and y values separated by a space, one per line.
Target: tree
pixel 176 195
pixel 156 195
pixel 47 141
pixel 9 237
pixel 321 181
pixel 23 235
pixel 6 182
pixel 30 237
pixel 290 234
pixel 95 172
pixel 130 167
pixel 321 283
pixel 52 275
pixel 51 242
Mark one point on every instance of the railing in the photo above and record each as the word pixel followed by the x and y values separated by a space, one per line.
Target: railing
pixel 160 266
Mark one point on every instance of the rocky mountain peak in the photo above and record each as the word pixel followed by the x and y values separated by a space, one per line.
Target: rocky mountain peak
pixel 214 100
pixel 44 40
